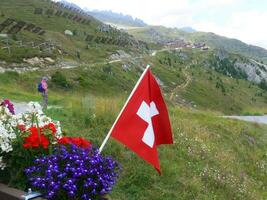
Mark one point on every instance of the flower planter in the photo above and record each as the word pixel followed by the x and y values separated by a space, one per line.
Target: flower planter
pixel 8 193
pixel 33 152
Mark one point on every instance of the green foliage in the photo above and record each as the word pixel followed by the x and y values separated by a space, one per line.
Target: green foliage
pixel 60 80
pixel 263 85
pixel 226 67
pixel 78 55
pixel 219 84
pixel 14 37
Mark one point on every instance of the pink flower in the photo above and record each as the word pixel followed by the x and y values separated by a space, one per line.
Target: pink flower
pixel 7 103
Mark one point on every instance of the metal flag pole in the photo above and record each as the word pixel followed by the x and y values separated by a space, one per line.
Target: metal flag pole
pixel 134 89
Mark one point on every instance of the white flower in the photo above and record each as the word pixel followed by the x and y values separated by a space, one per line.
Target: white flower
pixel 34 107
pixel 59 132
pixel 2 164
pixel 9 125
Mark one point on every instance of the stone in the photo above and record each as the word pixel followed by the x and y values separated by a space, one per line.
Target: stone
pixel 17 27
pixel 38 11
pixel 29 27
pixel 68 32
pixel 3 35
pixel 6 23
pixel 50 60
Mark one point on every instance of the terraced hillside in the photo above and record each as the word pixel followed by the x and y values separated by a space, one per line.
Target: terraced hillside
pixel 44 28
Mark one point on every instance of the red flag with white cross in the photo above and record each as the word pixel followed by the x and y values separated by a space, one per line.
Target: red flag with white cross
pixel 143 123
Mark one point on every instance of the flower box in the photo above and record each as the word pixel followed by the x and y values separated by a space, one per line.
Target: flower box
pixel 8 193
pixel 34 152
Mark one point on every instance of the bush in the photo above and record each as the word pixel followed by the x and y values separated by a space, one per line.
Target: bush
pixel 60 80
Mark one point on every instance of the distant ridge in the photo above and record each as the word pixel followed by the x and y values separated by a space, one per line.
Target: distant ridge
pixel 116 18
pixel 72 5
pixel 188 29
pixel 161 34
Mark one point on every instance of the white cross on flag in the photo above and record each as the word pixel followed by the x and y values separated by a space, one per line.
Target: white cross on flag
pixel 143 123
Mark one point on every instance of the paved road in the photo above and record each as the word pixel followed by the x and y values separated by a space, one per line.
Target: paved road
pixel 257 119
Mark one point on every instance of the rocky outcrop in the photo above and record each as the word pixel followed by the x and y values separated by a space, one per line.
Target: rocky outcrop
pixel 256 72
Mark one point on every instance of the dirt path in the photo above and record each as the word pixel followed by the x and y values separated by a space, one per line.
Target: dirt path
pixel 183 85
pixel 22 107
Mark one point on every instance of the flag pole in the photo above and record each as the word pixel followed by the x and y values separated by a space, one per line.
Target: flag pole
pixel 134 89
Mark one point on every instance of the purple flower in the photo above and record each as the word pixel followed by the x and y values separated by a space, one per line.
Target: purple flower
pixel 72 172
pixel 7 103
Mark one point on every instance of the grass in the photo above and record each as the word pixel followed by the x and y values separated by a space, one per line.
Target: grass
pixel 212 157
pixel 230 97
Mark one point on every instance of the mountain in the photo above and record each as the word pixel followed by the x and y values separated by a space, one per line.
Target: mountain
pixel 70 5
pixel 117 18
pixel 188 29
pixel 163 35
pixel 229 44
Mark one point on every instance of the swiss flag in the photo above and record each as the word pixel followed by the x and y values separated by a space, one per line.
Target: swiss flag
pixel 144 122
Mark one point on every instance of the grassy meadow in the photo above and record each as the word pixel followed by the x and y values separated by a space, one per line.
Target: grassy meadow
pixel 212 157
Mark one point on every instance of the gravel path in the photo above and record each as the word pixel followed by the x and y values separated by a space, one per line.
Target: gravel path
pixel 22 107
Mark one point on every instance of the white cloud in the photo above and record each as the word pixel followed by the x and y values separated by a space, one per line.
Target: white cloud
pixel 248 26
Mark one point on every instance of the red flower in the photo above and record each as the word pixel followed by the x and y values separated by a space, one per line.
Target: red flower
pixel 85 143
pixel 22 127
pixel 34 140
pixel 64 140
pixel 78 141
pixel 51 127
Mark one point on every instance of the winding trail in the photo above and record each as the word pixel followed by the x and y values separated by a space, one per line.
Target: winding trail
pixel 182 86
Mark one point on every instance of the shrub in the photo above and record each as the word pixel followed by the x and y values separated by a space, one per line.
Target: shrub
pixel 60 80
pixel 263 85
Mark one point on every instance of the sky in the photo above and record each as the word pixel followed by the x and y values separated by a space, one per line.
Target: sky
pixel 241 19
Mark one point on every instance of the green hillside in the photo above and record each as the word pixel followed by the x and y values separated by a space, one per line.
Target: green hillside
pixel 161 34
pixel 209 83
pixel 91 40
pixel 232 45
